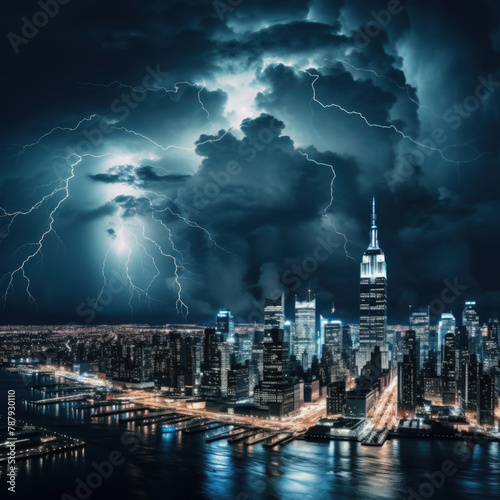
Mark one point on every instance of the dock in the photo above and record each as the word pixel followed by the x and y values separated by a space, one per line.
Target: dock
pixel 65 388
pixel 61 399
pixel 260 436
pixel 149 416
pixel 226 435
pixel 376 437
pixel 43 386
pixel 176 417
pixel 102 404
pixel 175 428
pixel 26 454
pixel 290 438
pixel 120 411
pixel 246 434
pixel 205 427
pixel 279 439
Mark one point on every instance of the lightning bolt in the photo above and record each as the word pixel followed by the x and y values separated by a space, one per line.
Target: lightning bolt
pixel 39 245
pixel 50 132
pixel 391 127
pixel 143 90
pixel 187 221
pixel 325 210
pixel 63 187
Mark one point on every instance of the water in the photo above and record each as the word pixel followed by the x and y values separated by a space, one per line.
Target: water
pixel 177 466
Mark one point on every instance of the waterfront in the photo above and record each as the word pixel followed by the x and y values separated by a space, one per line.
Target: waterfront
pixel 177 465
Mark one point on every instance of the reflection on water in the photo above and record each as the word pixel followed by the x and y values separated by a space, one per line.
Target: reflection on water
pixel 175 465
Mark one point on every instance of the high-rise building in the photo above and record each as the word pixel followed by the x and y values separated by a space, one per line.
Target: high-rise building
pixel 238 382
pixel 411 346
pixel 225 325
pixel 245 344
pixel 336 398
pixel 470 319
pixel 289 330
pixel 492 354
pixel 331 359
pixel 419 323
pixel 407 384
pixel 275 393
pixel 471 373
pixel 276 358
pixel 486 401
pixel 274 313
pixel 447 324
pixel 305 331
pixel 450 369
pixel 333 338
pixel 433 339
pixel 211 380
pixel 373 298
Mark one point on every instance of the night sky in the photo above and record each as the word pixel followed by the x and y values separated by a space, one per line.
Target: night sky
pixel 166 158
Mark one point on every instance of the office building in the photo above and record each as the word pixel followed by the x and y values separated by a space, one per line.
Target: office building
pixel 419 323
pixel 304 340
pixel 373 298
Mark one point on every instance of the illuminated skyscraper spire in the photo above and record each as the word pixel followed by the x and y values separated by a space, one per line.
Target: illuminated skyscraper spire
pixel 373 299
pixel 374 230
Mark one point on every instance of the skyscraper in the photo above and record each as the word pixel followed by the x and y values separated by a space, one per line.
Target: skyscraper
pixel 305 331
pixel 449 370
pixel 275 393
pixel 274 313
pixel 373 298
pixel 447 324
pixel 419 323
pixel 407 383
pixel 276 358
pixel 211 380
pixel 332 351
pixel 471 374
pixel 470 319
pixel 492 354
pixel 225 325
pixel 486 401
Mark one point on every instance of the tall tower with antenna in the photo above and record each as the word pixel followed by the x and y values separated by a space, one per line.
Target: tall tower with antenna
pixel 373 297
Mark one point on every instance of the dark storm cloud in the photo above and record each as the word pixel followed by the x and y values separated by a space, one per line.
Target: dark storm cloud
pixel 261 197
pixel 122 174
pixel 112 233
pixel 132 206
pixel 253 190
pixel 141 177
pixel 147 173
pixel 97 213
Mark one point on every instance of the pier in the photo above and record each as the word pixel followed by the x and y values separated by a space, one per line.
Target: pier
pixel 226 435
pixel 102 404
pixel 260 436
pixel 43 386
pixel 175 428
pixel 61 399
pixel 69 388
pixel 120 411
pixel 149 416
pixel 210 426
pixel 282 437
pixel 244 435
pixel 376 437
